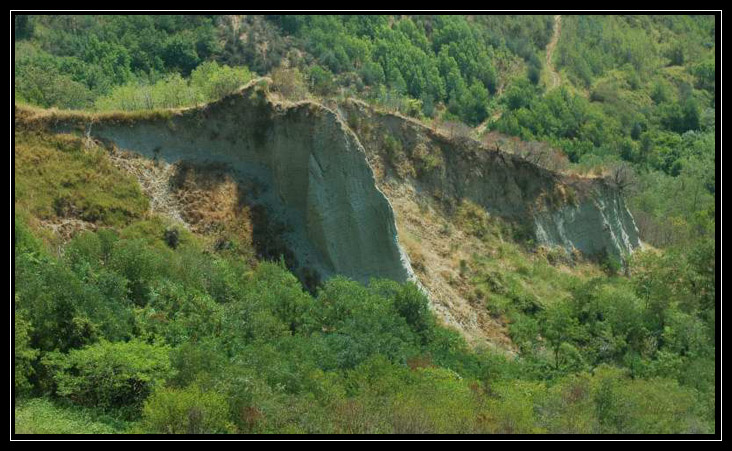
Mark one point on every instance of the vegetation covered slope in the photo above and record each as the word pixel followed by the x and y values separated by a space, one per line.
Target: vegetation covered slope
pixel 173 326
pixel 192 334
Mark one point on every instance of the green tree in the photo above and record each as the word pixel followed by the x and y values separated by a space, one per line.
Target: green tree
pixel 24 355
pixel 321 80
pixel 561 328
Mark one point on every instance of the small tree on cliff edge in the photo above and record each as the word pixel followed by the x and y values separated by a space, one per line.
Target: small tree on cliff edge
pixel 623 177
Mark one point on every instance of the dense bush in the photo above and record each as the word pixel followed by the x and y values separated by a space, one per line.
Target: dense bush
pixel 208 82
pixel 188 411
pixel 23 354
pixel 110 375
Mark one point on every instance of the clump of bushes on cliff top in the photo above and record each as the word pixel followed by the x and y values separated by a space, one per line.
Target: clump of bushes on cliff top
pixel 208 82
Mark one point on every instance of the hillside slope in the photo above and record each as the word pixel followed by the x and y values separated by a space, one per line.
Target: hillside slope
pixel 314 174
pixel 405 224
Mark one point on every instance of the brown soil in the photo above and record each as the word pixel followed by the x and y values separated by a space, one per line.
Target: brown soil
pixel 436 249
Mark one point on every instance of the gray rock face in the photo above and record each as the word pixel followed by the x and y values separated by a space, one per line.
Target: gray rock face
pixel 600 223
pixel 585 214
pixel 313 174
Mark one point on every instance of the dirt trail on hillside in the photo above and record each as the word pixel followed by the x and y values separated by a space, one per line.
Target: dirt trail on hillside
pixel 554 75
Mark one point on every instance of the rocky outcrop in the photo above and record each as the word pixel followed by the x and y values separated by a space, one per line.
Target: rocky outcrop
pixel 586 214
pixel 599 225
pixel 310 169
pixel 316 175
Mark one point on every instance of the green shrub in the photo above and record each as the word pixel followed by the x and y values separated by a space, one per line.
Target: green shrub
pixel 64 311
pixel 214 81
pixel 186 411
pixel 636 406
pixel 110 375
pixel 393 146
pixel 140 266
pixel 208 82
pixel 321 80
pixel 24 355
pixel 356 323
pixel 410 303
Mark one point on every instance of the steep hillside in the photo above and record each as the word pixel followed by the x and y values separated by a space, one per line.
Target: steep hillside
pixel 458 202
pixel 313 174
pixel 587 214
pixel 309 170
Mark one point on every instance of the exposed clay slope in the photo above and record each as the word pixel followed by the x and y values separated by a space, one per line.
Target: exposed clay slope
pixel 310 169
pixel 586 214
pixel 428 176
pixel 326 182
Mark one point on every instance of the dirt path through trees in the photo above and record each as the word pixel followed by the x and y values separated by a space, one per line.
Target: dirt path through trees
pixel 553 74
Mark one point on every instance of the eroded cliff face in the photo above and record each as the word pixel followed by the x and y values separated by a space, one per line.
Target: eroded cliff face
pixel 586 214
pixel 343 179
pixel 429 176
pixel 600 224
pixel 310 170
